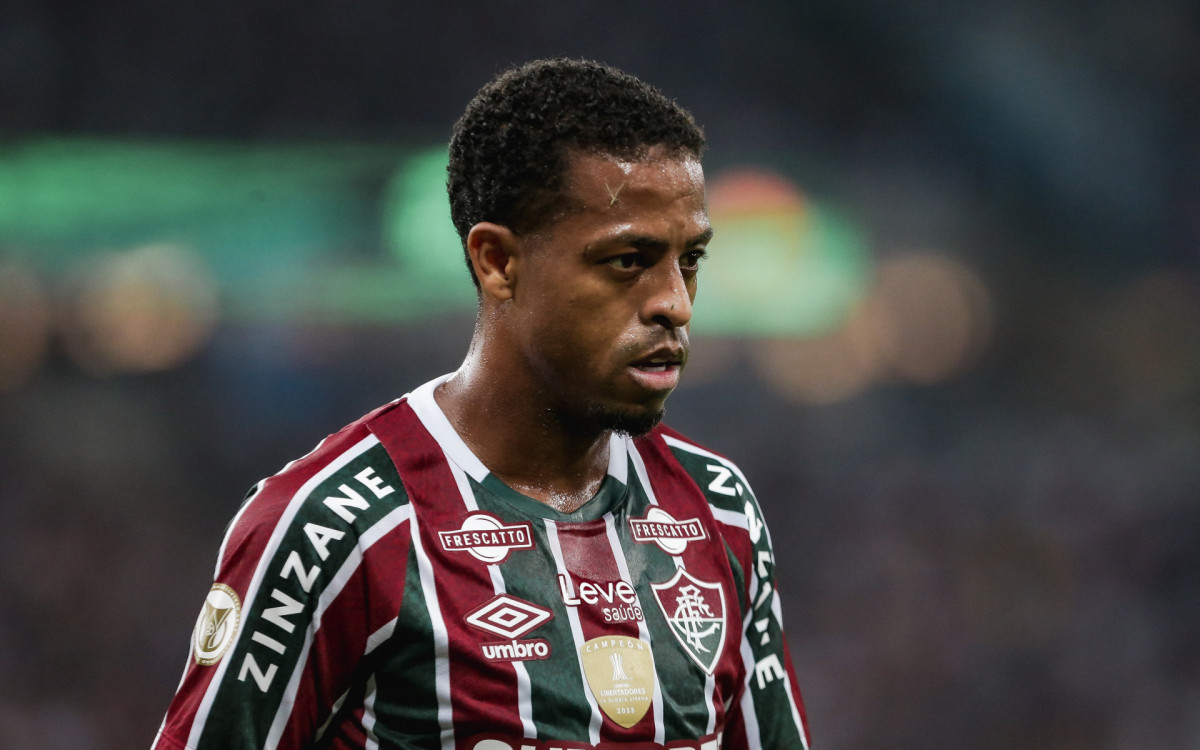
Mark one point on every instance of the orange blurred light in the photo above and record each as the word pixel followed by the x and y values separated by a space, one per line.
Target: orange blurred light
pixel 927 319
pixel 821 370
pixel 148 309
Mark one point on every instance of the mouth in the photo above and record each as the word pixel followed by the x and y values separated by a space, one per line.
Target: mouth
pixel 659 370
pixel 663 358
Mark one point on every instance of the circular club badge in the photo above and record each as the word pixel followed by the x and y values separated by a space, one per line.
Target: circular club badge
pixel 217 625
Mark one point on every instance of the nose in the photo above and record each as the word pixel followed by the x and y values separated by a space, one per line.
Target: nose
pixel 670 300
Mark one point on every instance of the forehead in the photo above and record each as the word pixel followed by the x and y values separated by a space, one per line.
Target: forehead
pixel 607 184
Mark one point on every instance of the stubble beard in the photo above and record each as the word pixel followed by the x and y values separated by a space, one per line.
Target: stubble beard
pixel 630 422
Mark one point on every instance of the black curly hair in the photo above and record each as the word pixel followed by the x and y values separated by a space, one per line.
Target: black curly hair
pixel 510 149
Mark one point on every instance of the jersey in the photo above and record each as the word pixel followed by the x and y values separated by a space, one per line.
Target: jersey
pixel 387 591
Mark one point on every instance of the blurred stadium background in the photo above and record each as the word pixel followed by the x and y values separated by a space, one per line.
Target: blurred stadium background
pixel 950 327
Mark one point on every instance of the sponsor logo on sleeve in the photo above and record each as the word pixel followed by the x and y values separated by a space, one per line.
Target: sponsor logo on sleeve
pixel 487 538
pixel 217 625
pixel 510 618
pixel 661 528
pixel 695 610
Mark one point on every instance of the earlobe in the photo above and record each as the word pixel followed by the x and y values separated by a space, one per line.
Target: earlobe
pixel 494 251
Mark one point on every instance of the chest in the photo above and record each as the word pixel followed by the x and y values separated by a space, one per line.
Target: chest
pixel 622 628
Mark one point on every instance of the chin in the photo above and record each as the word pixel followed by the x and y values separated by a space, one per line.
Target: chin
pixel 633 421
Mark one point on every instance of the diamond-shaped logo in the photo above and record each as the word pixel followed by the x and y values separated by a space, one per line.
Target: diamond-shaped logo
pixel 507 616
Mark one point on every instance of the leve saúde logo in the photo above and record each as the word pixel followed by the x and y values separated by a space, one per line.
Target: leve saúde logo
pixel 217 625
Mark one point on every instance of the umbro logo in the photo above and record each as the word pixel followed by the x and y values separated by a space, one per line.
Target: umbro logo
pixel 510 617
pixel 507 616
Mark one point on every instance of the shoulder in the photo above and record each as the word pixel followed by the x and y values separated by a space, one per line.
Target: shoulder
pixel 727 490
pixel 334 485
pixel 718 476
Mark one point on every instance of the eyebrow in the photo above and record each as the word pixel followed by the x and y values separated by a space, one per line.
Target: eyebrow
pixel 647 242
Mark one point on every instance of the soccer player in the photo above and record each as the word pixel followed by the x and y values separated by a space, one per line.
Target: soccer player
pixel 517 556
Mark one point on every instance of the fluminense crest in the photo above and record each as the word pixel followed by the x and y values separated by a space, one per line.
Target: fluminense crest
pixel 695 610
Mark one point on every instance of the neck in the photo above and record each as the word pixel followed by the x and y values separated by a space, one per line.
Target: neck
pixel 521 439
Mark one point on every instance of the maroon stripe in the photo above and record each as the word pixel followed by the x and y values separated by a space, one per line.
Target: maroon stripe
pixel 370 599
pixel 489 700
pixel 589 560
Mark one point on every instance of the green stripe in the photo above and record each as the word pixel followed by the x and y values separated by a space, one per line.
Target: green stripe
pixel 739 580
pixel 560 707
pixel 680 680
pixel 406 704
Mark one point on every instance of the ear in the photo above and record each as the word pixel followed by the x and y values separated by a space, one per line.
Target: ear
pixel 494 252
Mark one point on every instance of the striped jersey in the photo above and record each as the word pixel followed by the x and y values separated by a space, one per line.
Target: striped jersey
pixel 387 591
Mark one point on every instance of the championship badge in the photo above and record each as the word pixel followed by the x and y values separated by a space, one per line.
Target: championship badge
pixel 217 624
pixel 620 674
pixel 695 610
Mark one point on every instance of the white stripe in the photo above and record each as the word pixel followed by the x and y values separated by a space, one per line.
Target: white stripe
pixel 257 489
pixel 710 690
pixel 379 636
pixel 576 629
pixel 427 410
pixel 368 719
pixel 749 715
pixel 264 562
pixel 233 524
pixel 777 610
pixel 730 517
pixel 618 462
pixel 639 466
pixel 331 592
pixel 333 710
pixel 524 688
pixel 441 641
pixel 614 544
pixel 692 448
pixel 710 684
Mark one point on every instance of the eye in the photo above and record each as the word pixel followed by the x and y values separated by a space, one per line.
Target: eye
pixel 692 260
pixel 625 262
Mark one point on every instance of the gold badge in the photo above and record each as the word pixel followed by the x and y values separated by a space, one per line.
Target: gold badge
pixel 217 624
pixel 620 674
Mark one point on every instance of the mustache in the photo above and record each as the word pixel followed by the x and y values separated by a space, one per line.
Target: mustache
pixel 673 344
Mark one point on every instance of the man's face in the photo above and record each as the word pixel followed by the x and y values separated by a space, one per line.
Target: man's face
pixel 605 294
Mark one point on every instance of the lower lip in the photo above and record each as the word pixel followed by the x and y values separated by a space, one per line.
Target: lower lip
pixel 656 380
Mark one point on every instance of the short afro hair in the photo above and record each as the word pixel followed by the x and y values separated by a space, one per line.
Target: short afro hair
pixel 510 150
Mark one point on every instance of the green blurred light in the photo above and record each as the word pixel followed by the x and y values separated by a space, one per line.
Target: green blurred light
pixel 418 230
pixel 362 232
pixel 245 207
pixel 784 268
